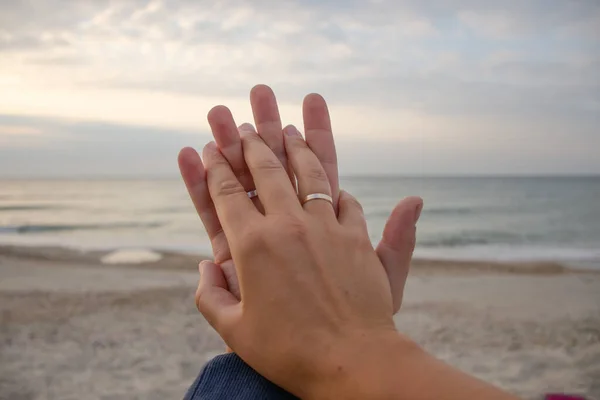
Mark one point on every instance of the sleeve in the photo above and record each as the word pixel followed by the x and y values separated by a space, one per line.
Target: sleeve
pixel 227 376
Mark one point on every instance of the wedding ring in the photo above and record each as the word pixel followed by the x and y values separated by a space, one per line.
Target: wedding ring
pixel 317 196
pixel 252 194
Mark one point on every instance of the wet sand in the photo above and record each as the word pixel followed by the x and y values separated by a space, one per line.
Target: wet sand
pixel 73 328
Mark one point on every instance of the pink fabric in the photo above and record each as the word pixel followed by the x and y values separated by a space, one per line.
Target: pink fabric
pixel 562 397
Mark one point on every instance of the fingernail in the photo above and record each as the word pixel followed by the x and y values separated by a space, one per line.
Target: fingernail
pixel 246 128
pixel 291 130
pixel 211 145
pixel 418 210
pixel 202 265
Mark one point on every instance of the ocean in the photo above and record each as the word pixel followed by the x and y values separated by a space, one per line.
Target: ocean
pixel 483 218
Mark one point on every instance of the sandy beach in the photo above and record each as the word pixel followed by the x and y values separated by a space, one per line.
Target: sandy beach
pixel 73 328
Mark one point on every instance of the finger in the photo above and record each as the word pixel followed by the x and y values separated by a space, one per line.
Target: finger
pixel 351 213
pixel 247 177
pixel 273 185
pixel 228 141
pixel 309 172
pixel 234 209
pixel 267 120
pixel 233 283
pixel 194 177
pixel 227 136
pixel 319 137
pixel 213 300
pixel 398 243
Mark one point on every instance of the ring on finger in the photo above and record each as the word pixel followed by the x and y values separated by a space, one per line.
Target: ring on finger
pixel 317 196
pixel 252 193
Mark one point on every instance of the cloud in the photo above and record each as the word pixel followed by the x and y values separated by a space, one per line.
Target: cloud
pixel 466 70
pixel 516 19
pixel 189 47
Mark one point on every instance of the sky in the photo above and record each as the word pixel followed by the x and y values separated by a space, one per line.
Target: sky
pixel 440 87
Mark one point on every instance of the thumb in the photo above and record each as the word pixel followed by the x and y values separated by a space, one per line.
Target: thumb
pixel 216 303
pixel 397 244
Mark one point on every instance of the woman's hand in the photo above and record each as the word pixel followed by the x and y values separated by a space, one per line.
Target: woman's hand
pixel 315 315
pixel 313 289
pixel 397 244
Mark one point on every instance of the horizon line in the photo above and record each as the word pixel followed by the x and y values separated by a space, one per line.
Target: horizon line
pixel 342 176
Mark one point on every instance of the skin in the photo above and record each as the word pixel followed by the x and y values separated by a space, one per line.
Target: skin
pixel 320 327
pixel 315 314
pixel 398 238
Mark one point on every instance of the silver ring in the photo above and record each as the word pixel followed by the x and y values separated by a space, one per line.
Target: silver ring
pixel 252 194
pixel 317 196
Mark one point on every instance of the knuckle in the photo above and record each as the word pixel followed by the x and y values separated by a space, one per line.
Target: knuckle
pixel 229 187
pixel 328 159
pixel 316 173
pixel 268 165
pixel 297 144
pixel 296 228
pixel 354 203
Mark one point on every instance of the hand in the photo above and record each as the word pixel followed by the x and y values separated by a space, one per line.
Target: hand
pixel 312 286
pixel 316 313
pixel 396 246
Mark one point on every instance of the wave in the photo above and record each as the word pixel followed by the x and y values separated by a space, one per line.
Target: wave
pixel 454 241
pixel 578 257
pixel 470 238
pixel 32 207
pixel 437 211
pixel 25 229
pixel 451 210
pixel 172 210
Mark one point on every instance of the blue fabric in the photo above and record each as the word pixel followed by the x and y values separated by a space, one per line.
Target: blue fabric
pixel 228 377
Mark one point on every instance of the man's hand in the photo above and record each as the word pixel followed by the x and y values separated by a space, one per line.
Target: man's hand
pixel 396 246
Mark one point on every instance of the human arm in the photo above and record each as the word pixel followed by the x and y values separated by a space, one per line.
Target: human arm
pixel 392 366
pixel 316 310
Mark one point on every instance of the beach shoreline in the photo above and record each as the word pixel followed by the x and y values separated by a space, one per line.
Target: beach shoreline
pixel 74 327
pixel 188 261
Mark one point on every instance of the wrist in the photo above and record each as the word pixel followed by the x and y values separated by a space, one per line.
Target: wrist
pixel 389 365
pixel 359 366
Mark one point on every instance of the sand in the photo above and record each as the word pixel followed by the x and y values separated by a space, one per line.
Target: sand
pixel 73 328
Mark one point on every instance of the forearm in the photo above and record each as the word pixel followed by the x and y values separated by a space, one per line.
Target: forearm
pixel 421 376
pixel 397 368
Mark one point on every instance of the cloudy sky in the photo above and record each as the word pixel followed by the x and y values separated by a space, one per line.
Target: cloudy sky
pixel 99 87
